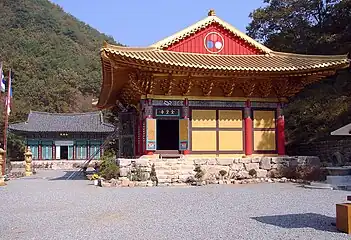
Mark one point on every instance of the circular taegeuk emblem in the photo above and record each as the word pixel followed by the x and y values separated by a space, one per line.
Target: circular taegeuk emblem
pixel 214 42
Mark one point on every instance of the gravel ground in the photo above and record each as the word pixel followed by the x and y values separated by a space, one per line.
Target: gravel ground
pixel 47 207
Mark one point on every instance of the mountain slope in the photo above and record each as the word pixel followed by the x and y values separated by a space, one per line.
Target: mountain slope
pixel 55 57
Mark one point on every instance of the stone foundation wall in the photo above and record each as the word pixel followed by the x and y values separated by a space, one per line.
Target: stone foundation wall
pixel 53 164
pixel 180 170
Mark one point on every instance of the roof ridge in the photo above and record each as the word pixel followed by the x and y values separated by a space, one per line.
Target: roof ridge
pixel 66 114
pixel 314 56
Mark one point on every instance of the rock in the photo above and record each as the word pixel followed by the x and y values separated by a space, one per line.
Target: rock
pixel 256 160
pixel 270 180
pixel 261 173
pixel 224 161
pixel 249 166
pixel 237 160
pixel 123 172
pixel 131 184
pixel 237 166
pixel 200 161
pixel 277 159
pixel 245 160
pixel 141 184
pixel 243 174
pixel 125 183
pixel 226 181
pixel 237 182
pixel 142 162
pixel 284 179
pixel 106 184
pixel 124 162
pixel 313 161
pixel 212 161
pixel 220 181
pixel 149 184
pixel 265 163
pixel 183 178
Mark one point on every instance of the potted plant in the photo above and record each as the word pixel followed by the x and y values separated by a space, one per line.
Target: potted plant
pixel 96 179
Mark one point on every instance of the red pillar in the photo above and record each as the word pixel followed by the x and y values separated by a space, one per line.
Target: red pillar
pixel 39 152
pixel 248 129
pixel 280 131
pixel 148 115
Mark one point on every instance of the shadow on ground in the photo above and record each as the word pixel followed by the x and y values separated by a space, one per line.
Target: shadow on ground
pixel 302 220
pixel 78 175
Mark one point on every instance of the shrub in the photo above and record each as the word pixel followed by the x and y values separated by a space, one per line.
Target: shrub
pixel 199 172
pixel 108 167
pixel 253 173
pixel 153 176
pixel 223 173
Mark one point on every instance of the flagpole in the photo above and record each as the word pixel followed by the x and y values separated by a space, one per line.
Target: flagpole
pixel 6 121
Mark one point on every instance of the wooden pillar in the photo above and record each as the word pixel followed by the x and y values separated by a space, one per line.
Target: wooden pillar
pixel 185 115
pixel 73 151
pixel 88 150
pixel 148 115
pixel 248 129
pixel 280 131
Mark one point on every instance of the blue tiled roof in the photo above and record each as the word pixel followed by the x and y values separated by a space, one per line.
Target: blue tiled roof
pixel 63 122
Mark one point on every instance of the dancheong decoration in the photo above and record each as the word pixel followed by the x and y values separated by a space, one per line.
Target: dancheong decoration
pixel 214 42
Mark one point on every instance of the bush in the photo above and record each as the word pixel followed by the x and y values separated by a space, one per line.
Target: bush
pixel 153 176
pixel 253 173
pixel 199 173
pixel 108 167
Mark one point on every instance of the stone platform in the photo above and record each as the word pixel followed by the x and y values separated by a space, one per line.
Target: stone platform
pixel 53 164
pixel 178 170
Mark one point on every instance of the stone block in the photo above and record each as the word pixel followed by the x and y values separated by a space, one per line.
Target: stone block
pixel 243 174
pixel 224 161
pixel 237 166
pixel 171 162
pixel 142 162
pixel 184 177
pixel 125 183
pixel 277 159
pixel 212 161
pixel 141 184
pixel 123 172
pixel 313 161
pixel 245 160
pixel 200 161
pixel 261 173
pixel 265 163
pixel 256 160
pixel 249 166
pixel 124 162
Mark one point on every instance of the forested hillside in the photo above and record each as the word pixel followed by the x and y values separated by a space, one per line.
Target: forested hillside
pixel 55 57
pixel 310 27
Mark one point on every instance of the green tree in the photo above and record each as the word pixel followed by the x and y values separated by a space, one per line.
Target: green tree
pixel 310 27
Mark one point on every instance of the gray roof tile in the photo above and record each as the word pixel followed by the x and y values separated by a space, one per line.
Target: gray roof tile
pixel 63 122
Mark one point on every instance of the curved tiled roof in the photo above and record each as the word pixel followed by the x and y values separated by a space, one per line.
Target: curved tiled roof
pixel 63 122
pixel 270 62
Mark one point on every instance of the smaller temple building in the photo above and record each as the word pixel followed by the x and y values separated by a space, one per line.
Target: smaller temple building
pixel 69 136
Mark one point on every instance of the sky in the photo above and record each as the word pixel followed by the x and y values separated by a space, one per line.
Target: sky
pixel 143 22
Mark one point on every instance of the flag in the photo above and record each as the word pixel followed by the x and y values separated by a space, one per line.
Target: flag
pixel 9 96
pixel 2 78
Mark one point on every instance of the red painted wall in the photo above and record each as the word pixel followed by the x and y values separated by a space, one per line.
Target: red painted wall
pixel 231 44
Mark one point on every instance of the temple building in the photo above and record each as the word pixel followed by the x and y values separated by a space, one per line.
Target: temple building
pixel 69 136
pixel 208 90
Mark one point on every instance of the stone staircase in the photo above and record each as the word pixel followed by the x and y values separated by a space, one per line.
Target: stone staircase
pixel 173 170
